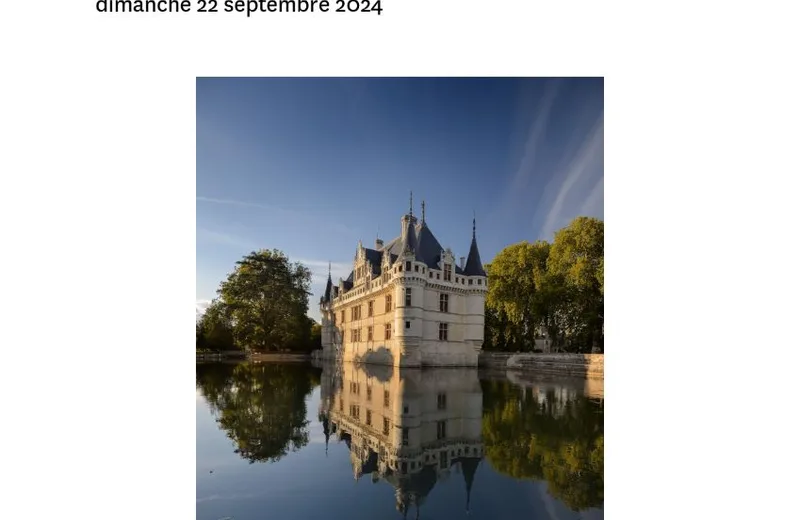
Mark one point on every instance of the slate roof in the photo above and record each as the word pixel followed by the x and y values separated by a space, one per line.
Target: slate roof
pixel 427 249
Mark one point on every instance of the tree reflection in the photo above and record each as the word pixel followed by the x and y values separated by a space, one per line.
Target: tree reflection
pixel 261 407
pixel 546 436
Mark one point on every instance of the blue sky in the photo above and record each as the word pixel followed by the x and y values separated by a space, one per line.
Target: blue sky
pixel 310 166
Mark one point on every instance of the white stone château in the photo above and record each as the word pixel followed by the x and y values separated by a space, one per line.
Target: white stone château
pixel 407 303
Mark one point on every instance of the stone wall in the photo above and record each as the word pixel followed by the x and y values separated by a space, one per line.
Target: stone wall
pixel 585 365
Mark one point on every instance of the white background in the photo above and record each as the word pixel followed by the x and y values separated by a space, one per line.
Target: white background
pixel 97 225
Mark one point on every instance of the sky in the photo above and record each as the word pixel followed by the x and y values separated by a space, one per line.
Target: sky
pixel 311 166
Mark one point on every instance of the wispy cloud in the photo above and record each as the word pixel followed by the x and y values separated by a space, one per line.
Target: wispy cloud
pixel 516 191
pixel 226 239
pixel 588 158
pixel 287 215
pixel 593 204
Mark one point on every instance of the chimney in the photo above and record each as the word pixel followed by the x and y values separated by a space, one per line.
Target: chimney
pixel 378 243
pixel 462 263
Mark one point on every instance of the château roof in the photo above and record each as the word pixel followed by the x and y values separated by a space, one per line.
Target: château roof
pixel 419 238
pixel 474 266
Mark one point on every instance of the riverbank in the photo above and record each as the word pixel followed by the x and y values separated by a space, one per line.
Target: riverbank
pixel 257 357
pixel 578 365
pixel 283 357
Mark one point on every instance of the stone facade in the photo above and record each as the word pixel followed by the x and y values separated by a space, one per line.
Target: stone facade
pixel 407 303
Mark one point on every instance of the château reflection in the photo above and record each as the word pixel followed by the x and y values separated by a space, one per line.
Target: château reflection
pixel 414 429
pixel 409 428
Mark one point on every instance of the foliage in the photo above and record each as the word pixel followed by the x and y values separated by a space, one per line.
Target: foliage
pixel 261 407
pixel 537 288
pixel 316 335
pixel 214 330
pixel 557 440
pixel 266 300
pixel 575 265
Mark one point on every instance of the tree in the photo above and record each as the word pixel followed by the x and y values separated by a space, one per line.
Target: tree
pixel 266 298
pixel 575 265
pixel 316 335
pixel 214 330
pixel 516 297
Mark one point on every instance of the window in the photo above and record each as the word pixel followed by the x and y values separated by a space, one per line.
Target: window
pixel 416 268
pixel 355 313
pixel 369 417
pixel 408 266
pixel 437 276
pixel 369 393
pixel 470 281
pixel 386 398
pixel 370 306
pixel 479 281
pixel 385 426
pixel 405 436
pixel 443 301
pixel 408 324
pixel 403 467
pixel 341 404
pixel 405 409
pixel 457 280
pixel 443 460
pixel 443 332
pixel 388 303
pixel 441 430
pixel 430 274
pixel 342 316
pixel 441 401
pixel 388 331
pixel 408 297
pixel 448 272
pixel 369 333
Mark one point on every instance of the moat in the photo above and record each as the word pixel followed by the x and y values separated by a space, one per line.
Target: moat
pixel 364 441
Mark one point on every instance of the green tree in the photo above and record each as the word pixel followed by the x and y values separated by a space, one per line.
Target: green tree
pixel 316 335
pixel 266 298
pixel 517 300
pixel 575 266
pixel 214 329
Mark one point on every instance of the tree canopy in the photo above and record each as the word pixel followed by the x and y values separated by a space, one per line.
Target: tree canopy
pixel 537 288
pixel 261 306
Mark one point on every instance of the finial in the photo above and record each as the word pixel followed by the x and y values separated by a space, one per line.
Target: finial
pixel 423 211
pixel 473 224
pixel 411 203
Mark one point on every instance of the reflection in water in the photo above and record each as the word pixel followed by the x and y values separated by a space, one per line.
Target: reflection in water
pixel 409 430
pixel 419 427
pixel 547 432
pixel 261 407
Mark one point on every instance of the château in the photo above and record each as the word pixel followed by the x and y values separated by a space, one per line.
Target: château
pixel 407 303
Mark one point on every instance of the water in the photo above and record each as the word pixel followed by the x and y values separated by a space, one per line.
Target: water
pixel 294 441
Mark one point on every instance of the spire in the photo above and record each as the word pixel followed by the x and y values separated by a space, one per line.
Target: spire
pixel 411 203
pixel 423 211
pixel 327 297
pixel 469 466
pixel 474 266
pixel 473 224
